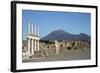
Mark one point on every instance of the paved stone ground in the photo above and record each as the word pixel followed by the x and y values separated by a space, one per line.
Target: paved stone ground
pixel 79 54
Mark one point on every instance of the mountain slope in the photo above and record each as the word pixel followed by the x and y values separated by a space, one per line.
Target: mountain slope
pixel 63 35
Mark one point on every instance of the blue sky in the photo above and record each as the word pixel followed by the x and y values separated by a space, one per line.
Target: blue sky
pixel 48 21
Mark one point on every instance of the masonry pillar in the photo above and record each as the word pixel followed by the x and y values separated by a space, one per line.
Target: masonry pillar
pixel 38 45
pixel 32 49
pixel 29 46
pixel 35 45
pixel 57 48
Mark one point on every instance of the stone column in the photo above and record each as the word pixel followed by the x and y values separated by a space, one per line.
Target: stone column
pixel 29 29
pixel 38 45
pixel 35 45
pixel 34 29
pixel 57 48
pixel 37 31
pixel 29 47
pixel 32 49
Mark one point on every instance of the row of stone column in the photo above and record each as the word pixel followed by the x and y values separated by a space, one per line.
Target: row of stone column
pixel 33 29
pixel 33 46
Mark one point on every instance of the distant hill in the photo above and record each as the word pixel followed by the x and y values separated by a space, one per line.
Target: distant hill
pixel 63 35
